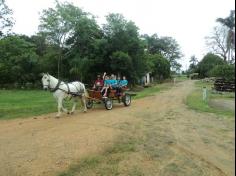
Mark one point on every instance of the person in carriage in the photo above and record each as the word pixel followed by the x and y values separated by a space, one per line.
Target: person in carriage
pixel 99 82
pixel 106 85
pixel 110 83
pixel 121 85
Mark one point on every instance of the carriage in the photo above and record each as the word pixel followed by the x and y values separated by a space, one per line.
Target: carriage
pixel 96 96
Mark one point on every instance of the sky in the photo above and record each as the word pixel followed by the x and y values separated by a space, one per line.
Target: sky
pixel 187 21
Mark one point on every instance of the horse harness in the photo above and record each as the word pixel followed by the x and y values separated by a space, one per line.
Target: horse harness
pixel 74 94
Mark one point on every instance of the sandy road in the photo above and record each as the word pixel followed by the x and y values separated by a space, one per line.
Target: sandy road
pixel 201 143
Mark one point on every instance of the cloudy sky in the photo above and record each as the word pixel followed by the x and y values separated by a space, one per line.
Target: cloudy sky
pixel 187 21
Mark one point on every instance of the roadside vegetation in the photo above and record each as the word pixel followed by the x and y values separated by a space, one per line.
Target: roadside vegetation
pixel 195 99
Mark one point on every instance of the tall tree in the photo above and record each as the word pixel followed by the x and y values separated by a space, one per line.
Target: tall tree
pixel 193 64
pixel 229 22
pixel 6 19
pixel 59 24
pixel 123 36
pixel 217 42
pixel 166 46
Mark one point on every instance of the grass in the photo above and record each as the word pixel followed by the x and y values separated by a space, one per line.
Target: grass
pixel 25 103
pixel 195 101
pixel 106 163
pixel 151 91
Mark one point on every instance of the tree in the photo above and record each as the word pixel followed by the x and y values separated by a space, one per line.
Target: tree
pixel 229 22
pixel 6 20
pixel 59 24
pixel 121 63
pixel 123 36
pixel 208 62
pixel 217 42
pixel 18 60
pixel 159 66
pixel 84 50
pixel 225 71
pixel 193 64
pixel 166 46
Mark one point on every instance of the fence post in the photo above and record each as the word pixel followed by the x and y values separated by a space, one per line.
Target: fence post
pixel 204 94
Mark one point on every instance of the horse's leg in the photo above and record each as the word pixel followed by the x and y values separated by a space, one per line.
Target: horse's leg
pixel 59 106
pixel 83 100
pixel 74 105
pixel 64 109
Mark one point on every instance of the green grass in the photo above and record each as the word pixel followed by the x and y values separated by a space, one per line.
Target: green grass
pixel 181 77
pixel 151 91
pixel 25 103
pixel 195 101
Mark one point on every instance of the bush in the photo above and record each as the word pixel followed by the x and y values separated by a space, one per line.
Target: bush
pixel 208 62
pixel 224 71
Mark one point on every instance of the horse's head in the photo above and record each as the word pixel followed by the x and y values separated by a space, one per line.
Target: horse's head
pixel 46 81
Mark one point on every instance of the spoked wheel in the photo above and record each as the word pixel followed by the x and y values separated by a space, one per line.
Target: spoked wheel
pixel 108 103
pixel 89 104
pixel 126 99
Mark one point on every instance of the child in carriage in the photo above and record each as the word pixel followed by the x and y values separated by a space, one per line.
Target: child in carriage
pixel 106 85
pixel 109 83
pixel 123 82
pixel 98 84
pixel 121 85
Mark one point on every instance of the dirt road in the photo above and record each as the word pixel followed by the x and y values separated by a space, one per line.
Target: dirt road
pixel 187 142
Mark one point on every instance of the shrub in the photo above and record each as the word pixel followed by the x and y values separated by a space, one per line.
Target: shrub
pixel 224 71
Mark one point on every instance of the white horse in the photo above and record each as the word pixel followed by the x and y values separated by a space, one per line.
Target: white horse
pixel 62 90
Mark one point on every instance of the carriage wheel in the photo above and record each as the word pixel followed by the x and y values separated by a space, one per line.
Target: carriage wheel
pixel 126 99
pixel 89 104
pixel 108 103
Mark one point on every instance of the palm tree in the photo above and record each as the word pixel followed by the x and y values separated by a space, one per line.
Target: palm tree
pixel 229 22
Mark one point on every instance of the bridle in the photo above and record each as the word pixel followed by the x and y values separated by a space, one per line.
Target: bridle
pixel 49 87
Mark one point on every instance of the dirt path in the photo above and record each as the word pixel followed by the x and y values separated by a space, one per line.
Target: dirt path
pixel 202 144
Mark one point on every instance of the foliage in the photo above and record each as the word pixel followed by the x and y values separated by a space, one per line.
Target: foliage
pixel 18 60
pixel 222 41
pixel 224 71
pixel 122 36
pixel 6 20
pixel 217 42
pixel 193 64
pixel 165 46
pixel 72 46
pixel 160 67
pixel 121 63
pixel 208 62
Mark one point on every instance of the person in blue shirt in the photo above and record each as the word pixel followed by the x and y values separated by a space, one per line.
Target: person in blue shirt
pixel 123 83
pixel 113 82
pixel 106 85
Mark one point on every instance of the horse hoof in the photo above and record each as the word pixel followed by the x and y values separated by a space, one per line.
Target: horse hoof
pixel 71 113
pixel 85 111
pixel 68 112
pixel 57 117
